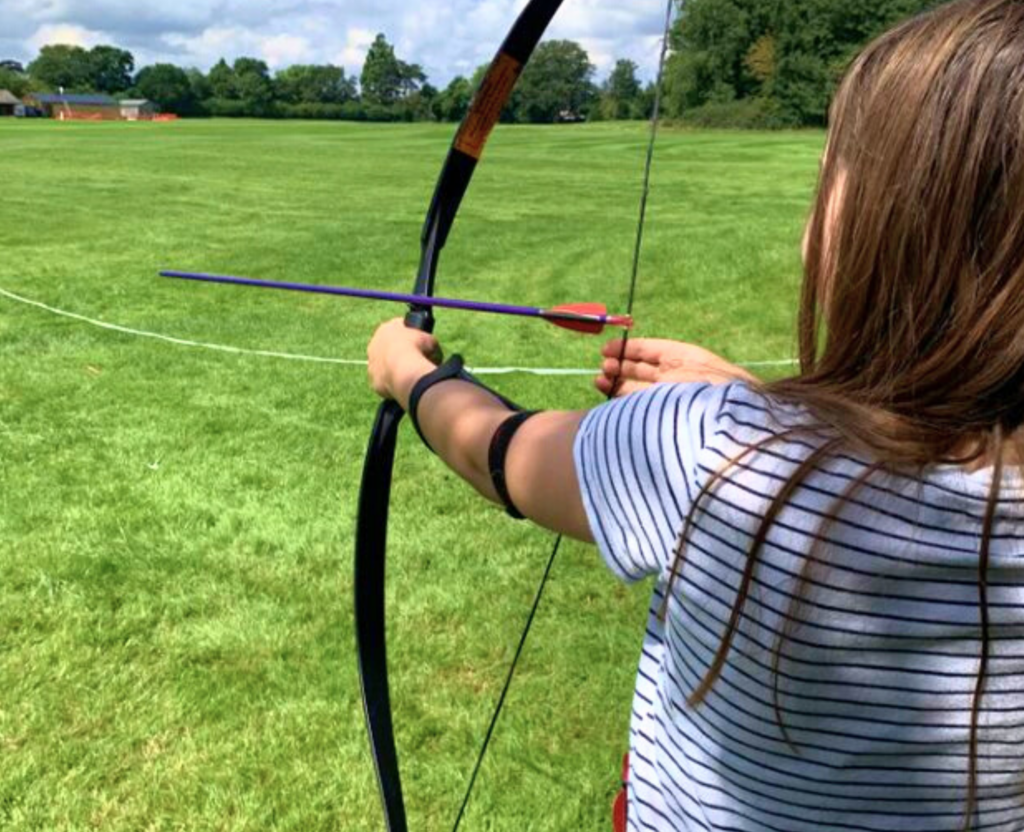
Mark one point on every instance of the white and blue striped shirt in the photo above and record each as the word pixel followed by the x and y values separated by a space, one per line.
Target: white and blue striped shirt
pixel 877 676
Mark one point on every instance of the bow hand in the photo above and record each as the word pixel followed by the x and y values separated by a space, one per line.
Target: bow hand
pixel 398 356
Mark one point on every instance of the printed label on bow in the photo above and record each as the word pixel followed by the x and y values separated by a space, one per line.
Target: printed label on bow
pixel 487 105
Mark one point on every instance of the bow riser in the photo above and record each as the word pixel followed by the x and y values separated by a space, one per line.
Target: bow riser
pixel 468 146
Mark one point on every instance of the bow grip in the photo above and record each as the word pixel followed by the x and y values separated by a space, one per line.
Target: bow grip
pixel 421 318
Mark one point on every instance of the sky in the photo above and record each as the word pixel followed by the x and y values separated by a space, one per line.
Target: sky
pixel 447 38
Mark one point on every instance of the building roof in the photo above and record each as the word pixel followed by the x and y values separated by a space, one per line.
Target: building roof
pixel 135 102
pixel 92 100
pixel 6 97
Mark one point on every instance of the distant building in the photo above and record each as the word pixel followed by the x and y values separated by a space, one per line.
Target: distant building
pixel 76 107
pixel 8 103
pixel 137 109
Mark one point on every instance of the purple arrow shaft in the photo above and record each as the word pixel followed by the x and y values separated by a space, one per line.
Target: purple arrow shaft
pixel 397 297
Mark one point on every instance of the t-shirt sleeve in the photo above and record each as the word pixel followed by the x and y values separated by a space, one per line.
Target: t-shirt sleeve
pixel 637 461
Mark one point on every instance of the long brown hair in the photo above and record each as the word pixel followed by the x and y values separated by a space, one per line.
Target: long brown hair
pixel 911 327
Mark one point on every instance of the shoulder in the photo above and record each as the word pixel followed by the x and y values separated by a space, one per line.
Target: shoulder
pixel 642 460
pixel 744 415
pixel 737 409
pixel 695 414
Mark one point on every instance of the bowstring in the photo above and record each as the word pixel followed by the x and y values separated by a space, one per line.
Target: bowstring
pixel 646 189
pixel 631 297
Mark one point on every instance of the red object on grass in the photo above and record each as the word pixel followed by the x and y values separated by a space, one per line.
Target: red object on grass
pixel 619 806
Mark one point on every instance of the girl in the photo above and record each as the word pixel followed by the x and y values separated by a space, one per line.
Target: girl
pixel 836 637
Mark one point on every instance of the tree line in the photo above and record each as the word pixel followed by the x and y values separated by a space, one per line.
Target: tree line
pixel 745 63
pixel 558 84
pixel 769 63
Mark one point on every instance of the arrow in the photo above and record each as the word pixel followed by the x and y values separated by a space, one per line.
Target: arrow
pixel 591 318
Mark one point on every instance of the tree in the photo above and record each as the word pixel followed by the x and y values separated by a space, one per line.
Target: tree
pixel 453 102
pixel 221 81
pixel 709 45
pixel 817 39
pixel 645 101
pixel 411 77
pixel 169 87
pixel 18 83
pixel 110 69
pixel 556 84
pixel 804 87
pixel 301 84
pixel 419 105
pixel 252 83
pixel 621 93
pixel 101 69
pixel 762 60
pixel 242 89
pixel 776 58
pixel 200 86
pixel 59 66
pixel 383 78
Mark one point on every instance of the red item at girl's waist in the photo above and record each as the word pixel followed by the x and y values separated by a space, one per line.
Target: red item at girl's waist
pixel 619 807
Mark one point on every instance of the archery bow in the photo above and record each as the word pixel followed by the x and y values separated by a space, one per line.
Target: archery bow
pixel 371 525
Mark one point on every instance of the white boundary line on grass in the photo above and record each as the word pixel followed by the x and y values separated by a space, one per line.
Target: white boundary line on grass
pixel 317 359
pixel 141 333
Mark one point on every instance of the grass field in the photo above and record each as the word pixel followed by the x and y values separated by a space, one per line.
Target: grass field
pixel 176 648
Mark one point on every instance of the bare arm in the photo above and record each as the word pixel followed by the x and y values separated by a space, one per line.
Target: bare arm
pixel 459 419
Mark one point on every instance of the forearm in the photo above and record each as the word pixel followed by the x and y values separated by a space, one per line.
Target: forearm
pixel 458 420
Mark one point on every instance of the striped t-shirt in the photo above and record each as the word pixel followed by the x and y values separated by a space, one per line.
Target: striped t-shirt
pixel 877 676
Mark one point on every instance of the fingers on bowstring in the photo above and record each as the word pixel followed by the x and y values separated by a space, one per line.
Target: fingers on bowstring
pixel 610 368
pixel 603 384
pixel 648 350
pixel 612 348
pixel 632 370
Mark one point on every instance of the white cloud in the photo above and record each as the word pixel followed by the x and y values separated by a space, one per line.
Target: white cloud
pixel 212 44
pixel 65 34
pixel 599 53
pixel 284 50
pixel 612 30
pixel 353 53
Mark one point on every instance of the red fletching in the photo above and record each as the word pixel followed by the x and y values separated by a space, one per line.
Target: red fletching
pixel 590 318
